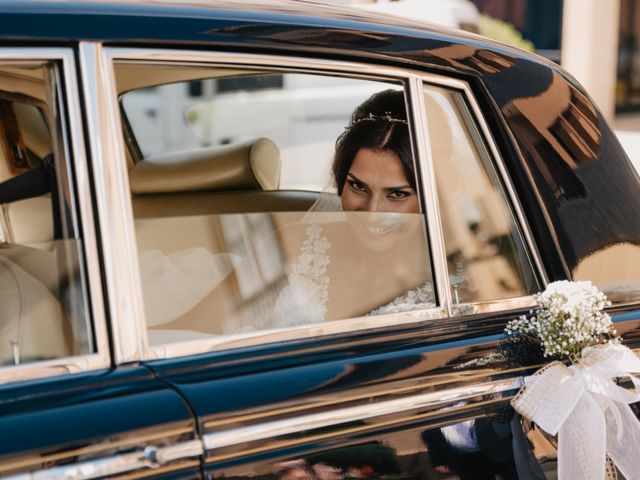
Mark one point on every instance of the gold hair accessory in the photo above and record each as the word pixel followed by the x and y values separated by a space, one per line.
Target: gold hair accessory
pixel 387 117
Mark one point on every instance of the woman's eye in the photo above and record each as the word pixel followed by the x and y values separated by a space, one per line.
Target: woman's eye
pixel 357 186
pixel 399 194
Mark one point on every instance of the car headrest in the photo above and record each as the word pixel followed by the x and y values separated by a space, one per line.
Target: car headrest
pixel 253 165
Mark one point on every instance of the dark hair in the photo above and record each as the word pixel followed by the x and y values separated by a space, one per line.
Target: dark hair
pixel 375 132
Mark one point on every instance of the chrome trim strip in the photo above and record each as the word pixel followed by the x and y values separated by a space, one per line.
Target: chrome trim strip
pixel 515 202
pixel 54 367
pixel 331 418
pixel 179 451
pixel 75 144
pixel 150 458
pixel 114 205
pixel 292 64
pixel 350 325
pixel 428 180
pixel 493 306
pixel 83 191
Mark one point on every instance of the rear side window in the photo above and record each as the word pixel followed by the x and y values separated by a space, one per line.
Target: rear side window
pixel 269 200
pixel 485 249
pixel 43 306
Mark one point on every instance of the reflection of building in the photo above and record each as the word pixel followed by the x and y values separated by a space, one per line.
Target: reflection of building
pixel 600 42
pixel 539 21
pixel 628 73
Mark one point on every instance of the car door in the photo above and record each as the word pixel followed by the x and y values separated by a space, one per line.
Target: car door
pixel 69 407
pixel 297 363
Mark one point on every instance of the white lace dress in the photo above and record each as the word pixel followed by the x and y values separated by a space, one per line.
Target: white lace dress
pixel 416 299
pixel 304 299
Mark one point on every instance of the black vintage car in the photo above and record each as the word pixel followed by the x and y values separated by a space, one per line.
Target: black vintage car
pixel 181 293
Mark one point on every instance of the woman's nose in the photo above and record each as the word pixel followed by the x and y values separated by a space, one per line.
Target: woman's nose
pixel 375 204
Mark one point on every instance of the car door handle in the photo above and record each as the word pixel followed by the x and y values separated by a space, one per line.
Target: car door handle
pixel 150 457
pixel 163 455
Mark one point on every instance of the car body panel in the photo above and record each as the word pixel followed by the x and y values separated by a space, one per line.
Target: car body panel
pixel 245 408
pixel 399 381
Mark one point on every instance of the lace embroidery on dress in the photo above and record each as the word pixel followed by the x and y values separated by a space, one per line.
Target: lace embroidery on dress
pixel 416 299
pixel 304 299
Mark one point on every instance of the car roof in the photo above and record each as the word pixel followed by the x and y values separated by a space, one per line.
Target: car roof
pixel 87 19
pixel 299 8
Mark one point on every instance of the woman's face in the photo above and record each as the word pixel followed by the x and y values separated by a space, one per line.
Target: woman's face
pixel 377 189
pixel 376 183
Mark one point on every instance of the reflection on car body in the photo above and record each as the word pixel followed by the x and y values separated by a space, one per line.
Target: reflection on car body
pixel 186 293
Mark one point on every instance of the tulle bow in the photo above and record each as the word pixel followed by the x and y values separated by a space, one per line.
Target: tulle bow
pixel 588 411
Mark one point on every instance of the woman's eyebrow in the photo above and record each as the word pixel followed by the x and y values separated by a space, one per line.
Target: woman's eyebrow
pixel 354 178
pixel 401 187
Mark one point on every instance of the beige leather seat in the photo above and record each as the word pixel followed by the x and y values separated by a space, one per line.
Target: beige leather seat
pixel 32 323
pixel 28 222
pixel 229 179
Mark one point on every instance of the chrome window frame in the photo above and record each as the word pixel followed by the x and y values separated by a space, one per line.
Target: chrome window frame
pixel 75 154
pixel 513 202
pixel 114 202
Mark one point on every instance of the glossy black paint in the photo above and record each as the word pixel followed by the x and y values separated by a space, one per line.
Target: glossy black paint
pixel 55 421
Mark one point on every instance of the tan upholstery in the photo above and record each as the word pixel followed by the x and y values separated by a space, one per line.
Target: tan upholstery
pixel 29 222
pixel 234 179
pixel 251 166
pixel 209 203
pixel 30 316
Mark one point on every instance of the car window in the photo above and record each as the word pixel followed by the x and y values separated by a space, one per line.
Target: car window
pixel 43 309
pixel 244 221
pixel 486 254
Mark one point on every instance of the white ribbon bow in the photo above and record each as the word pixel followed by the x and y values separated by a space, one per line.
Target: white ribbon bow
pixel 587 410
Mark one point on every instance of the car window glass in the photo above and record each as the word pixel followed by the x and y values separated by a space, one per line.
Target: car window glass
pixel 43 311
pixel 486 255
pixel 240 222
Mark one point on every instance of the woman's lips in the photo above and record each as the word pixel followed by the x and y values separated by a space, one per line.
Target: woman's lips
pixel 380 229
pixel 378 224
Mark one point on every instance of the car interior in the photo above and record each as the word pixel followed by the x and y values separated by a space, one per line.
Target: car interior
pixel 38 252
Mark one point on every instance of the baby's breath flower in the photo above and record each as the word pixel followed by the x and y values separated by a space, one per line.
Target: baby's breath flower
pixel 569 317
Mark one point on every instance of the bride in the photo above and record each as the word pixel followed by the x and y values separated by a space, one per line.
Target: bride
pixel 376 248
